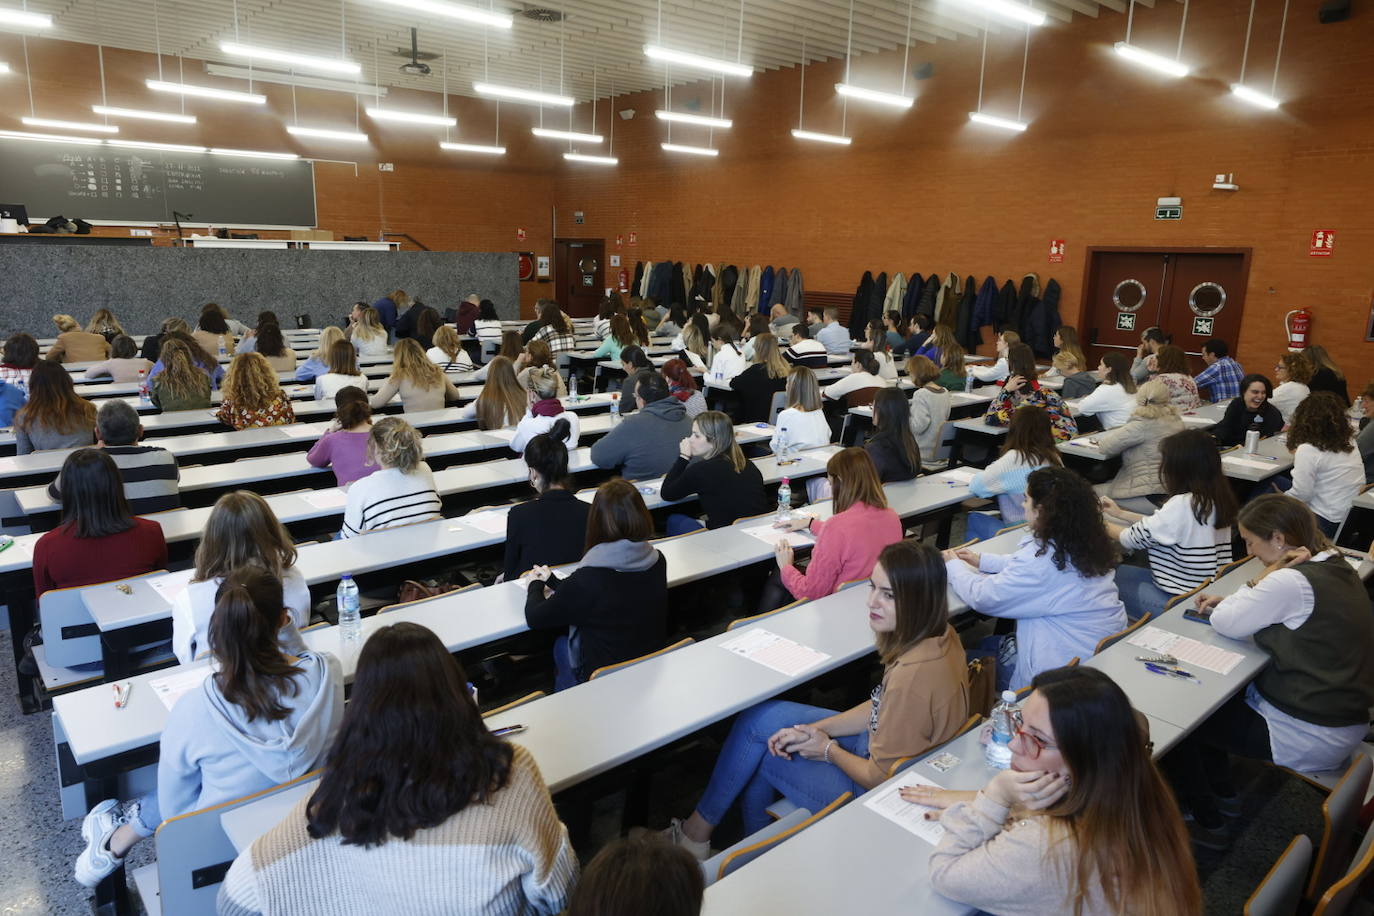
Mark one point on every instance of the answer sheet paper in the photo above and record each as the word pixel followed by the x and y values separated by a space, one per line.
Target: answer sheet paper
pixel 490 521
pixel 770 535
pixel 1186 649
pixel 333 498
pixel 773 651
pixel 176 685
pixel 172 584
pixel 960 475
pixel 910 817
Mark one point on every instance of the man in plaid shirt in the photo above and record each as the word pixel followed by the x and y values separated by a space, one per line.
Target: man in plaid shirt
pixel 1222 376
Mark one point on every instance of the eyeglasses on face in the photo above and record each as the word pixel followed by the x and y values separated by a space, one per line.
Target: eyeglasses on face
pixel 1032 742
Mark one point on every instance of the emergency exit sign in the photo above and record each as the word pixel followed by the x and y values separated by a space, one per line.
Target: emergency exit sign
pixel 1168 213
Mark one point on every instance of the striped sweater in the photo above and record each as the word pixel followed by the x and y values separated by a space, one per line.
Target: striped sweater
pixel 508 856
pixel 1183 554
pixel 389 498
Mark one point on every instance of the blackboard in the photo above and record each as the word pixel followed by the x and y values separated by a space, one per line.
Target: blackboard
pixel 144 186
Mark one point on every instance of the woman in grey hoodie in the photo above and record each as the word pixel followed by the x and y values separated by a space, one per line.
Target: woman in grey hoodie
pixel 262 718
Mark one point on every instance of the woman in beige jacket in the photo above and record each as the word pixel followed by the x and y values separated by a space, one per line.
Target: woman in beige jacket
pixel 1137 442
pixel 421 384
pixel 75 345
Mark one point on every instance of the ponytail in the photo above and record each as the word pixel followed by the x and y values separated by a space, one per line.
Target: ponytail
pixel 548 456
pixel 253 674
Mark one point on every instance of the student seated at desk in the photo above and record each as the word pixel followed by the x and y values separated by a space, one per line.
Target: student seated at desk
pixel 863 374
pixel 401 491
pixel 953 369
pixel 252 395
pixel 1152 339
pixel 765 376
pixel 1081 800
pixel 55 417
pixel 510 347
pixel 1292 372
pixel 693 345
pixel 421 384
pixel 487 325
pixel 1189 539
pixel 448 352
pixel 876 343
pixel 893 448
pixel 341 371
pixel 150 474
pixel 802 423
pixel 104 323
pixel 636 875
pixel 317 363
pixel 366 330
pixel 1077 381
pixel 557 331
pixel 1328 472
pixel 1112 401
pixel 546 412
pixel 1309 708
pixel 682 386
pixel 644 445
pixel 1067 350
pixel 1137 485
pixel 249 341
pixel 124 364
pixel 1029 446
pixel 726 361
pixel 344 446
pixel 1022 387
pixel 74 345
pixel 272 346
pixel 152 344
pixel 930 405
pixel 534 355
pixel 632 359
pixel 181 385
pixel 212 331
pixel 12 397
pixel 1172 365
pixel 550 529
pixel 419 808
pixel 847 544
pixel 1364 441
pixel 1250 410
pixel 18 359
pixel 711 467
pixel 813 755
pixel 242 531
pixel 1326 375
pixel 262 717
pixel 501 402
pixel 803 351
pixel 1000 369
pixel 1057 585
pixel 615 604
pixel 618 336
pixel 201 359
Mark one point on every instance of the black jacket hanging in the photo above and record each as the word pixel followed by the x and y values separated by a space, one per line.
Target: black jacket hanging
pixel 729 276
pixel 913 295
pixel 1006 307
pixel 861 298
pixel 965 329
pixel 639 278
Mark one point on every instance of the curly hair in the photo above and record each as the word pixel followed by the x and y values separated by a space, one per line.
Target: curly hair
pixel 180 376
pixel 1069 522
pixel 250 382
pixel 1320 420
pixel 1298 367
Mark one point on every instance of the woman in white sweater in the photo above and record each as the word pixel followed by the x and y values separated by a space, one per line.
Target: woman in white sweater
pixel 342 361
pixel 1189 539
pixel 545 412
pixel 801 424
pixel 1292 372
pixel 929 409
pixel 1328 472
pixel 1113 401
pixel 419 809
pixel 401 492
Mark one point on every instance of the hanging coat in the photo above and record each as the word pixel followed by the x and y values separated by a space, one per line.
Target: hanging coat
pixel 859 304
pixel 863 306
pixel 985 306
pixel 675 287
pixel 1044 320
pixel 660 282
pixel 947 301
pixel 1026 298
pixel 929 293
pixel 965 330
pixel 741 291
pixel 912 297
pixel 896 292
pixel 779 296
pixel 1006 307
pixel 638 281
pixel 705 285
pixel 765 289
pixel 795 292
pixel 648 278
pixel 729 279
pixel 875 305
pixel 751 292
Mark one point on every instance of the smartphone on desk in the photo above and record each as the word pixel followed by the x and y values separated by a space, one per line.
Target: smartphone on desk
pixel 1198 616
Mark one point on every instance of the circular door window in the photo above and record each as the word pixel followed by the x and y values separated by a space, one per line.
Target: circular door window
pixel 587 265
pixel 1207 299
pixel 1129 295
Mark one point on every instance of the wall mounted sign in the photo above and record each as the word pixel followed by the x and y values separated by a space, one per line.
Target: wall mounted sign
pixel 519 235
pixel 634 238
pixel 1125 321
pixel 1323 241
pixel 1056 251
pixel 526 265
pixel 1202 327
pixel 544 266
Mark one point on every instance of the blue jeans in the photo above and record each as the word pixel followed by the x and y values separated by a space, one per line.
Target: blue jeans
pixel 564 668
pixel 1002 648
pixel 678 523
pixel 983 525
pixel 1139 592
pixel 747 772
pixel 149 816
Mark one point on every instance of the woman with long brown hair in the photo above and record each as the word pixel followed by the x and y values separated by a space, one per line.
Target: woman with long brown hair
pixel 1328 472
pixel 343 447
pixel 252 395
pixel 272 345
pixel 55 416
pixel 501 403
pixel 1112 401
pixel 1029 446
pixel 199 357
pixel 341 361
pixel 892 447
pixel 1172 365
pixel 557 331
pixel 212 331
pixel 1022 387
pixel 421 384
pixel 1081 823
pixel 1292 373
pixel 181 385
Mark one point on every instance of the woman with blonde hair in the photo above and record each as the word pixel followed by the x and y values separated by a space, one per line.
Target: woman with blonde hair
pixel 104 323
pixel 802 423
pixel 765 377
pixel 152 344
pixel 501 403
pixel 74 345
pixel 1066 343
pixel 546 412
pixel 342 365
pixel 694 343
pixel 317 363
pixel 366 331
pixel 448 351
pixel 252 395
pixel 181 385
pixel 55 416
pixel 401 491
pixel 537 354
pixel 711 467
pixel 421 384
pixel 1326 375
pixel 242 531
pixel 1137 442
pixel 999 370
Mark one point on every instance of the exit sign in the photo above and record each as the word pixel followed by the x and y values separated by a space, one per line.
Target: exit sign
pixel 1168 213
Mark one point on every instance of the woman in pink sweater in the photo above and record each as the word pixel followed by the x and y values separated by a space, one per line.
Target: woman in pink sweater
pixel 848 544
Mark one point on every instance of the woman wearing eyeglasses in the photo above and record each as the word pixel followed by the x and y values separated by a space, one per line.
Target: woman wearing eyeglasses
pixel 1081 823
pixel 813 755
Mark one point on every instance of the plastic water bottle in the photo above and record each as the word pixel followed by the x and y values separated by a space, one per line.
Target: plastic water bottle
pixel 1252 436
pixel 222 350
pixel 615 410
pixel 785 500
pixel 782 454
pixel 998 750
pixel 350 619
pixel 144 395
pixel 969 380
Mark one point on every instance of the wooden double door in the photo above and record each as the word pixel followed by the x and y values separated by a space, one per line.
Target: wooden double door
pixel 579 275
pixel 1192 294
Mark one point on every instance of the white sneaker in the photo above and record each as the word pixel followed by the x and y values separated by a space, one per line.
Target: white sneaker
pixel 673 834
pixel 96 862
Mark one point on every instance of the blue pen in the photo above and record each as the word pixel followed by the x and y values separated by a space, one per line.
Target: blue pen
pixel 1171 672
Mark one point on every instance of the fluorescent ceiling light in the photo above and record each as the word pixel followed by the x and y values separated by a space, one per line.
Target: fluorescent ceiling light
pixel 71 125
pixel 994 121
pixel 50 138
pixel 729 68
pixel 4 67
pixel 1007 10
pixel 351 136
pixel 566 135
pixel 23 19
pixel 1254 97
pixel 1151 60
pixel 523 95
pixel 410 117
pixel 701 120
pixel 823 138
pixel 873 95
pixel 207 92
pixel 169 147
pixel 352 87
pixel 291 59
pixel 694 150
pixel 473 148
pixel 453 11
pixel 594 160
pixel 144 115
pixel 252 153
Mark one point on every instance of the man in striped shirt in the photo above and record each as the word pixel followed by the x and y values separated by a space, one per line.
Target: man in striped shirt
pixel 150 474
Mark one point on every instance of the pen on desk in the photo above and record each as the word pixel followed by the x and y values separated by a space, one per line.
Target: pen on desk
pixel 1171 672
pixel 1263 457
pixel 507 730
pixel 121 693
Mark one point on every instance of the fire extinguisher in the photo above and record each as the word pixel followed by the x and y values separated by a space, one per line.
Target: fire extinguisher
pixel 624 279
pixel 1298 322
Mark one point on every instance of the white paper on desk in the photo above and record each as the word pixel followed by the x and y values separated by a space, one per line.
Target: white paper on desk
pixel 773 651
pixel 490 521
pixel 300 431
pixel 1186 649
pixel 176 685
pixel 1195 420
pixel 770 535
pixel 959 475
pixel 333 498
pixel 172 584
pixel 1257 463
pixel 910 817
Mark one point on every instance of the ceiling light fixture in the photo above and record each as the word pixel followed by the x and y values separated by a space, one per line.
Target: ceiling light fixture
pixel 410 117
pixel 874 95
pixel 251 153
pixel 840 139
pixel 350 136
pixel 206 92
pixel 301 61
pixel 143 115
pixel 729 68
pixel 453 11
pixel 473 148
pixel 1013 11
pixel 168 147
pixel 682 117
pixel 994 121
pixel 820 138
pixel 1150 59
pixel 70 125
pixel 352 87
pixel 978 117
pixel 50 138
pixel 4 67
pixel 1243 92
pixel 694 150
pixel 566 135
pixel 1254 96
pixel 594 160
pixel 23 19
pixel 522 95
